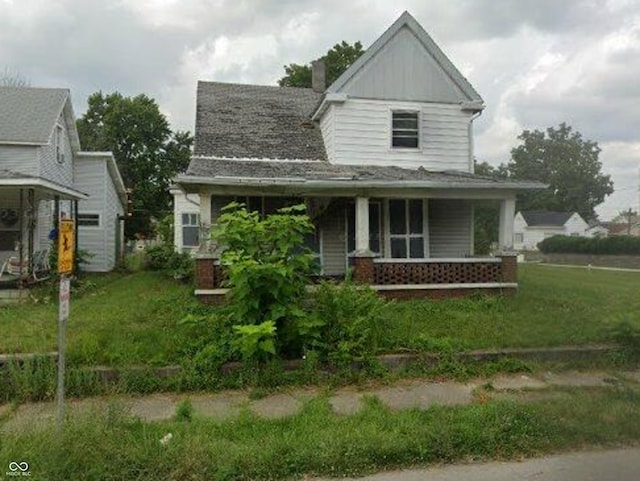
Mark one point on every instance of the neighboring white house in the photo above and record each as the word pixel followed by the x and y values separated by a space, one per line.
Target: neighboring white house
pixel 40 176
pixel 383 157
pixel 532 227
pixel 100 217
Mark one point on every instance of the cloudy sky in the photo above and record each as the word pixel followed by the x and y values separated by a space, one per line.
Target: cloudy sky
pixel 536 63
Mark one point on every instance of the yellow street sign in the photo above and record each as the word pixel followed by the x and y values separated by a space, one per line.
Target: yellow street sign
pixel 66 241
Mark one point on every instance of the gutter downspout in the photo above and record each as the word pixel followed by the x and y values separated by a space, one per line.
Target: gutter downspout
pixel 471 142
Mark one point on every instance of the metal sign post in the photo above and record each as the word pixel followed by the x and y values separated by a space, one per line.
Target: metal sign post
pixel 66 239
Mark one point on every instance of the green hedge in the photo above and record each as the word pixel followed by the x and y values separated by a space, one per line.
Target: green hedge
pixel 618 245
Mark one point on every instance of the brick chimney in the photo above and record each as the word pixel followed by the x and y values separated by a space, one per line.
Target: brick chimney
pixel 318 76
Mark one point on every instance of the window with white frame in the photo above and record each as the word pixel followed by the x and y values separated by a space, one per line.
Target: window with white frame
pixel 190 230
pixel 518 238
pixel 88 220
pixel 406 228
pixel 405 129
pixel 59 144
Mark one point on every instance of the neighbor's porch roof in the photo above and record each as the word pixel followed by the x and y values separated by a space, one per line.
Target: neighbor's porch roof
pixel 18 180
pixel 323 178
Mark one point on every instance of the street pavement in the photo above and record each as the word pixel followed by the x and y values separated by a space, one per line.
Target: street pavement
pixel 611 465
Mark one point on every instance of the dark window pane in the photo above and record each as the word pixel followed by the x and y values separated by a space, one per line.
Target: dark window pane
pixel 374 227
pixel 410 142
pixel 185 219
pixel 8 239
pixel 407 124
pixel 399 248
pixel 416 248
pixel 415 216
pixel 89 220
pixel 351 228
pixel 255 204
pixel 312 241
pixel 397 217
pixel 190 236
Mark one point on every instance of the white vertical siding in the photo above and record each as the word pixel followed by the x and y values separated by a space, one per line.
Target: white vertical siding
pixel 362 135
pixel 404 70
pixel 450 224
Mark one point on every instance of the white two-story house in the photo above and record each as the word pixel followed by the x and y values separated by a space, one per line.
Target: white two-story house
pixel 383 158
pixel 45 176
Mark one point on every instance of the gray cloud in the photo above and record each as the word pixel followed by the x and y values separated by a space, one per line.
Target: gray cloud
pixel 535 63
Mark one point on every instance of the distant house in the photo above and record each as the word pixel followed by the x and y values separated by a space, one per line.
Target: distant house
pixel 383 159
pixel 532 227
pixel 44 175
pixel 623 228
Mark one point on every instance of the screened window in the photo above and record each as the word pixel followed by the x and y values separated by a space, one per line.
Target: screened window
pixel 89 220
pixel 191 230
pixel 406 228
pixel 404 130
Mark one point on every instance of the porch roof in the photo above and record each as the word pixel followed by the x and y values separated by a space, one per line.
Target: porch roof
pixel 319 174
pixel 18 180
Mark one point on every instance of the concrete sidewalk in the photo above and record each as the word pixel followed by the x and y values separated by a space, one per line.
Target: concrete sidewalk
pixel 404 394
pixel 612 465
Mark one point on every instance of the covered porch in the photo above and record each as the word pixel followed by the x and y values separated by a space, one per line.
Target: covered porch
pixel 28 209
pixel 405 232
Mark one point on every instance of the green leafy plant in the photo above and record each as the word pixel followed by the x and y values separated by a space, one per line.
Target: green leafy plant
pixel 346 323
pixel 268 268
pixel 163 257
pixel 185 411
pixel 256 342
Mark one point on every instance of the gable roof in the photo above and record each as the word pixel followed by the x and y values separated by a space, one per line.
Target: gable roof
pixel 545 218
pixel 407 21
pixel 256 121
pixel 28 115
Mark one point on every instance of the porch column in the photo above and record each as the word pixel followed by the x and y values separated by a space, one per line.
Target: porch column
pixel 205 220
pixel 363 267
pixel 505 235
pixel 362 225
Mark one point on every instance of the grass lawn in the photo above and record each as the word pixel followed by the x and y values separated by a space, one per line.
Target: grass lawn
pixel 553 306
pixel 132 318
pixel 317 442
pixel 126 319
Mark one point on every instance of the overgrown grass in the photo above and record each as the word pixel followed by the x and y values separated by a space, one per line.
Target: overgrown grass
pixel 132 319
pixel 110 446
pixel 553 306
pixel 125 319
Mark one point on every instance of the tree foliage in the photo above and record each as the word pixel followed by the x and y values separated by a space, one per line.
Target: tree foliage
pixel 486 214
pixel 147 152
pixel 569 164
pixel 336 60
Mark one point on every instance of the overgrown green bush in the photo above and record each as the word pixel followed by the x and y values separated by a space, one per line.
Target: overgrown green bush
pixel 616 245
pixel 268 270
pixel 163 257
pixel 345 323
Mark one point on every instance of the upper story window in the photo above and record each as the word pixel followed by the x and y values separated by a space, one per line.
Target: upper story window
pixel 405 131
pixel 59 144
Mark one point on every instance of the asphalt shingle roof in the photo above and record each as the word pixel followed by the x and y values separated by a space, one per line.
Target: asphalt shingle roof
pixel 257 122
pixel 29 114
pixel 541 218
pixel 325 171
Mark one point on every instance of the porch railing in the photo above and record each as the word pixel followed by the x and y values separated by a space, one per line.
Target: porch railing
pixel 437 271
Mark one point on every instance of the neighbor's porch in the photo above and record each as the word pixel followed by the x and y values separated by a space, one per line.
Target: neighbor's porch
pixel 27 213
pixel 404 247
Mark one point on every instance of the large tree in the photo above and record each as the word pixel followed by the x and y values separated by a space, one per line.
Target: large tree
pixel 569 164
pixel 147 152
pixel 336 61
